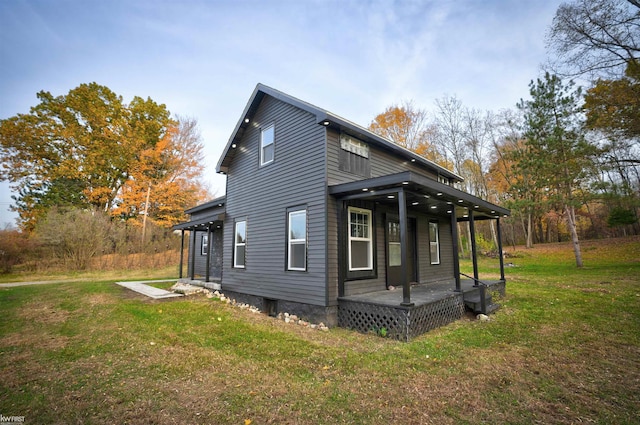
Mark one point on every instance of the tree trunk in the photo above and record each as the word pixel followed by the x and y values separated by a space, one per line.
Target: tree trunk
pixel 494 235
pixel 571 220
pixel 529 230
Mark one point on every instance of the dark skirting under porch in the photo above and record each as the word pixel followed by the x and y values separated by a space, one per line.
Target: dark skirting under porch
pixel 434 305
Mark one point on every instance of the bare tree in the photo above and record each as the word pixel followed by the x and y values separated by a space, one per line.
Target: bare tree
pixel 450 131
pixel 595 37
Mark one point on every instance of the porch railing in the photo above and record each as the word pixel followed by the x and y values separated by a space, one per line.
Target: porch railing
pixel 482 286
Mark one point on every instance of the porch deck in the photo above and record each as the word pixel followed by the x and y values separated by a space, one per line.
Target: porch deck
pixel 434 305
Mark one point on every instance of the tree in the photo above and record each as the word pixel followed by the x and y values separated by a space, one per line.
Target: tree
pixel 593 37
pixel 407 126
pixel 613 106
pixel 81 150
pixel 169 173
pixel 557 150
pixel 73 235
pixel 450 131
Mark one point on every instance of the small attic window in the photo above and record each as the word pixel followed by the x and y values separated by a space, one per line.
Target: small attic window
pixel 354 146
pixel 354 156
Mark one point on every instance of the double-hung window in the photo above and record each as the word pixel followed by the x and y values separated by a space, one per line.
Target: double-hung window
pixel 434 243
pixel 360 239
pixel 204 247
pixel 240 244
pixel 297 241
pixel 267 145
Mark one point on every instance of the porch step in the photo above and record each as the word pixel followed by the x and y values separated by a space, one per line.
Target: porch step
pixel 472 301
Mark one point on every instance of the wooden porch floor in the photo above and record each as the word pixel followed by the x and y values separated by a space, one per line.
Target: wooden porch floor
pixel 421 294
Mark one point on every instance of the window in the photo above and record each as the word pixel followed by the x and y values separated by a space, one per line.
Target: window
pixel 360 240
pixel 354 156
pixel 297 237
pixel 394 243
pixel 267 145
pixel 434 242
pixel 239 245
pixel 204 247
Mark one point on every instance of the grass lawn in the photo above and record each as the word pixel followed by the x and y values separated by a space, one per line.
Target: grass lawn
pixel 564 348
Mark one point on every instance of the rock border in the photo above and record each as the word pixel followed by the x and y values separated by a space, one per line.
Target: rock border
pixel 188 289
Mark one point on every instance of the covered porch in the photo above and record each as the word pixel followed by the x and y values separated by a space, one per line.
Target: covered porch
pixel 204 259
pixel 412 308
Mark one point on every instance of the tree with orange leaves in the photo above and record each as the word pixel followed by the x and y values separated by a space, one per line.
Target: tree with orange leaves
pixel 88 149
pixel 408 126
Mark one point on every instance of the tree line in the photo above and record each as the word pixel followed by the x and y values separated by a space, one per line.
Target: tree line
pixel 95 176
pixel 566 161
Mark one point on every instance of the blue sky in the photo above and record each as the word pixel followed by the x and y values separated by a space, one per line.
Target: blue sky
pixel 203 58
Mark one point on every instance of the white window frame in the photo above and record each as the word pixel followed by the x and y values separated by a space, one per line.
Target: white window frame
pixel 434 230
pixel 268 143
pixel 299 241
pixel 204 244
pixel 368 239
pixel 237 244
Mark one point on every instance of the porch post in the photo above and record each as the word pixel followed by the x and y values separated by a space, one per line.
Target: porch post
pixel 208 261
pixel 474 252
pixel 406 285
pixel 500 249
pixel 343 228
pixel 181 253
pixel 193 254
pixel 456 258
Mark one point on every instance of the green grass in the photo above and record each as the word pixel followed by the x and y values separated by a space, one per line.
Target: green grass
pixel 564 348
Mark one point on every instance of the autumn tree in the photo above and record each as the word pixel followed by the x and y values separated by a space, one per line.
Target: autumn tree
pixel 409 127
pixel 558 154
pixel 81 149
pixel 595 37
pixel 166 179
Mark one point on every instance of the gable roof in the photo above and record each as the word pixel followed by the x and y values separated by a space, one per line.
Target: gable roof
pixel 325 118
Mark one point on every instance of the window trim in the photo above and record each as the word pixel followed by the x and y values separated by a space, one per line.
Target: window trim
pixel 263 146
pixel 290 242
pixel 435 243
pixel 368 239
pixel 236 245
pixel 204 244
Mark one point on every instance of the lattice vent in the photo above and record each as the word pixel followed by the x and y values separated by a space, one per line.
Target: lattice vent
pixel 400 323
pixel 434 315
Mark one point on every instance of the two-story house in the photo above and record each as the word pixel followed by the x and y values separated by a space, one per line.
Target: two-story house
pixel 327 220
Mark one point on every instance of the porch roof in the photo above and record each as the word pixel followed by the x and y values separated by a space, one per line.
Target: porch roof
pixel 200 222
pixel 422 193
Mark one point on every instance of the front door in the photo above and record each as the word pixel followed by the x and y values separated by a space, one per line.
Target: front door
pixel 394 269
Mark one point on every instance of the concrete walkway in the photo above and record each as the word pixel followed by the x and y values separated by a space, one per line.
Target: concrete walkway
pixel 150 291
pixel 40 282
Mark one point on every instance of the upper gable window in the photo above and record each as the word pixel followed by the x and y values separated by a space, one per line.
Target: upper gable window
pixel 354 156
pixel 267 145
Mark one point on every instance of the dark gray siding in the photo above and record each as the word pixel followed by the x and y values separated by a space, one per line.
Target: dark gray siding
pixel 381 163
pixel 262 195
pixel 200 261
pixel 427 272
